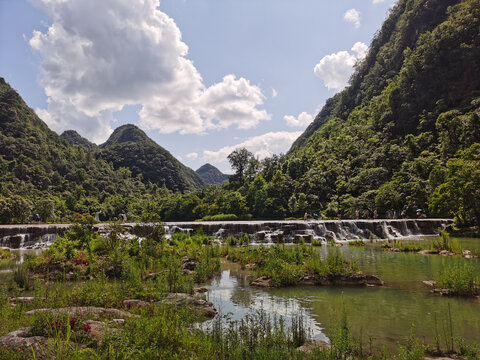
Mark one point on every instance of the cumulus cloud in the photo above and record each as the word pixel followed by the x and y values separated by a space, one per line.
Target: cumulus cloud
pixel 261 146
pixel 192 156
pixel 353 16
pixel 98 56
pixel 302 120
pixel 335 69
pixel 274 93
pixel 378 1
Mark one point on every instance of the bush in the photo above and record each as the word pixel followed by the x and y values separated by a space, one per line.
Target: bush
pixel 459 278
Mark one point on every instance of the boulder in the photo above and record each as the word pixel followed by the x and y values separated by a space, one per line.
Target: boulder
pixel 262 281
pixel 85 311
pixel 201 306
pixel 431 283
pixel 21 340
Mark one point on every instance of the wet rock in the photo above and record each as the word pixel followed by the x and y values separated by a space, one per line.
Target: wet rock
pixel 431 283
pixel 309 347
pixel 349 280
pixel 307 280
pixel 85 311
pixel 262 281
pixel 427 252
pixel 200 290
pixel 446 253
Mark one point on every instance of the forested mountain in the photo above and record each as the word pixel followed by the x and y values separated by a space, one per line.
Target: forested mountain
pixel 406 132
pixel 40 172
pixel 75 139
pixel 211 175
pixel 130 147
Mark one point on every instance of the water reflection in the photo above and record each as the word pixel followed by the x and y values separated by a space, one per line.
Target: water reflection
pixel 232 296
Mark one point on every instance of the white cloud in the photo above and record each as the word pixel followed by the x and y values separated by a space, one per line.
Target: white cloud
pixel 261 146
pixel 192 156
pixel 353 16
pixel 302 120
pixel 378 1
pixel 360 49
pixel 335 69
pixel 274 93
pixel 98 56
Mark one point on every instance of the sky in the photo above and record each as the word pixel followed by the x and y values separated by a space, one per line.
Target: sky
pixel 200 77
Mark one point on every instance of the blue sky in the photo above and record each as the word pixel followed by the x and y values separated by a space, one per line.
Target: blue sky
pixel 199 76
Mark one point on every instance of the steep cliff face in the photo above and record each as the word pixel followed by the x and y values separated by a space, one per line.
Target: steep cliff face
pixel 388 140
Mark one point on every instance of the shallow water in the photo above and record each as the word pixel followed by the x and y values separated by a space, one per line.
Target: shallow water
pixel 384 314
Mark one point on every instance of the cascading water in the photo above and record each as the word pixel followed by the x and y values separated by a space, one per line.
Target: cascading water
pixel 34 236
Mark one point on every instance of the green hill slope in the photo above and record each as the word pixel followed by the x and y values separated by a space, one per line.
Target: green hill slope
pixel 405 133
pixel 130 147
pixel 211 175
pixel 41 172
pixel 75 139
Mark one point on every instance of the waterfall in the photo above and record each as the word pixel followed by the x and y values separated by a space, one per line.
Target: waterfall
pixel 37 236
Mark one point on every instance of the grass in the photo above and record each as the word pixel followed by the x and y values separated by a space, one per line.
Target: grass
pixel 286 264
pixel 459 278
pixel 107 275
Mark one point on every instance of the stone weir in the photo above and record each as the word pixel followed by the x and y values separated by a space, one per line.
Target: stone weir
pixel 31 236
pixel 37 236
pixel 306 231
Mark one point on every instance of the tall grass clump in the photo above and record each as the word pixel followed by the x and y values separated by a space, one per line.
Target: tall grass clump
pixel 445 242
pixel 459 278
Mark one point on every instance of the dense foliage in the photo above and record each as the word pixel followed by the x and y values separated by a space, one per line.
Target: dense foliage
pixel 130 147
pixel 211 175
pixel 404 135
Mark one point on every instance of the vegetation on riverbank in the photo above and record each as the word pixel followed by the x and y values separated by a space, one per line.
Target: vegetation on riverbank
pixel 442 245
pixel 286 266
pixel 459 279
pixel 118 273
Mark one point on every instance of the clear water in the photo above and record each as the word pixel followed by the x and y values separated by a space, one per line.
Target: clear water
pixel 384 314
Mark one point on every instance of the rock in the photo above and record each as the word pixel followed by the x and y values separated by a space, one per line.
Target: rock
pixel 431 283
pixel 309 347
pixel 22 300
pixel 349 280
pixel 200 290
pixel 20 339
pixel 250 266
pixel 263 281
pixel 427 252
pixel 466 252
pixel 189 265
pixel 98 329
pixel 117 322
pixel 85 311
pixel 307 280
pixel 202 307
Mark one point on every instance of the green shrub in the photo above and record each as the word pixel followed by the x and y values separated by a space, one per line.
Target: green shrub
pixel 460 278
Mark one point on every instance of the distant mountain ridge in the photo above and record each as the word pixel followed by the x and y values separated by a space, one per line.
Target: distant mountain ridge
pixel 211 175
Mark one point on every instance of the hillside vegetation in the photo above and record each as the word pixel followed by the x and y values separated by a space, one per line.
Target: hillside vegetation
pixel 404 135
